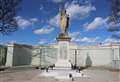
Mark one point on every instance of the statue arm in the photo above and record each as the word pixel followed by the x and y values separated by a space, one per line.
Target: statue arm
pixel 67 24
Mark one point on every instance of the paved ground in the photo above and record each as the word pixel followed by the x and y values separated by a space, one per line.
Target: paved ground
pixel 33 75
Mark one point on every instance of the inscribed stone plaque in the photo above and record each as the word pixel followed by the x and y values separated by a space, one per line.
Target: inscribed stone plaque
pixel 63 50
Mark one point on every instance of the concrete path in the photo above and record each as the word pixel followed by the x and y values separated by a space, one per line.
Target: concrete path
pixel 33 75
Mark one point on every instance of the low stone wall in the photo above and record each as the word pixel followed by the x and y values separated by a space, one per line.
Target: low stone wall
pixel 44 56
pixel 3 54
pixel 18 55
pixel 22 55
pixel 106 56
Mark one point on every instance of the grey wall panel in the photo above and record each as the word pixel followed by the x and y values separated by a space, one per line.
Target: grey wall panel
pixel 22 55
pixel 44 56
pixel 116 58
pixel 97 57
pixel 3 54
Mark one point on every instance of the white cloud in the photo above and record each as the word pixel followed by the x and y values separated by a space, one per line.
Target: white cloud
pixel 75 39
pixel 75 11
pixel 42 41
pixel 112 26
pixel 43 31
pixel 57 1
pixel 11 42
pixel 79 11
pixel 41 7
pixel 55 21
pixel 33 20
pixel 8 42
pixel 96 23
pixel 102 22
pixel 74 36
pixel 86 39
pixel 118 13
pixel 111 40
pixel 24 23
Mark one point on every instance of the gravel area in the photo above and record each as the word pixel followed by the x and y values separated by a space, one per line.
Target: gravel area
pixel 33 75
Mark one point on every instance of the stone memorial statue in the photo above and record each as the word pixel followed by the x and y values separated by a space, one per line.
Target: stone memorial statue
pixel 64 25
pixel 63 42
pixel 64 21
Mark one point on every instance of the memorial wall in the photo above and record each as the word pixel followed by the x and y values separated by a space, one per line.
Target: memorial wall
pixel 105 56
pixel 18 55
pixel 3 54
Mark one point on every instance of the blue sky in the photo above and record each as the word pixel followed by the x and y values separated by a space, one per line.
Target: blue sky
pixel 38 22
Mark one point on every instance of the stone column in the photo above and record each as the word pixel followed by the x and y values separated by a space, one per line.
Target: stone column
pixel 9 58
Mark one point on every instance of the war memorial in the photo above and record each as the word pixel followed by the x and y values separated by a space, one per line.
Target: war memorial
pixel 63 53
pixel 61 61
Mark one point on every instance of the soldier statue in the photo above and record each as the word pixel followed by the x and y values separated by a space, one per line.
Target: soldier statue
pixel 64 21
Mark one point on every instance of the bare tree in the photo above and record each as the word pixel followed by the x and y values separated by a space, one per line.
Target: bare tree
pixel 116 9
pixel 8 10
pixel 114 19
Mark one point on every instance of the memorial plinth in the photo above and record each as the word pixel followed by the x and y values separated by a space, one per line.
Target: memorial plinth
pixel 63 51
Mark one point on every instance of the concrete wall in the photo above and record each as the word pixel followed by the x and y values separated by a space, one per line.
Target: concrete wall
pixel 18 55
pixel 3 54
pixel 44 56
pixel 22 55
pixel 9 58
pixel 94 57
pixel 107 56
pixel 116 58
pixel 36 57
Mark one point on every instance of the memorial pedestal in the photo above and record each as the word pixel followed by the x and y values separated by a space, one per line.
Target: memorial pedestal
pixel 63 52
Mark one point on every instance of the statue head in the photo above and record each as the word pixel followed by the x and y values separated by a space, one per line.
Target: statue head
pixel 63 12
